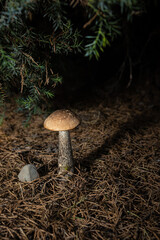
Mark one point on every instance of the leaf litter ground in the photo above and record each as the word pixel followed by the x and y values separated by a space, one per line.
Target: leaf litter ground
pixel 115 191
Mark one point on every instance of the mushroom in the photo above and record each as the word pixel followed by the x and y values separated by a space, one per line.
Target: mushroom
pixel 63 121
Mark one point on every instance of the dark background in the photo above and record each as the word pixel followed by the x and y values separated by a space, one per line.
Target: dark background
pixel 136 52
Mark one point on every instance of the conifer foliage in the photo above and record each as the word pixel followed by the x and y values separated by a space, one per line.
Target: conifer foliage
pixel 34 32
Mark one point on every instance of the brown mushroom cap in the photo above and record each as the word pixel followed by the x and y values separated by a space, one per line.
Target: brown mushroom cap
pixel 61 120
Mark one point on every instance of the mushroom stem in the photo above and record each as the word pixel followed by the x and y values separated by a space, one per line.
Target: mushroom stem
pixel 65 159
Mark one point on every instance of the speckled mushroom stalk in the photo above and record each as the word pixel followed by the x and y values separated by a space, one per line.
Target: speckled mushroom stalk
pixel 63 121
pixel 65 159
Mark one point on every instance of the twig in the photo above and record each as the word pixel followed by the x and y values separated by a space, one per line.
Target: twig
pixel 75 3
pixel 37 90
pixel 22 77
pixel 47 78
pixel 30 57
pixel 91 20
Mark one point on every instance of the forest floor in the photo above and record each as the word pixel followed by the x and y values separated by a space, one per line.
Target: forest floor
pixel 115 191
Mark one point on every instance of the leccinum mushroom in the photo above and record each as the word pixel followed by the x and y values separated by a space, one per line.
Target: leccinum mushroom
pixel 63 121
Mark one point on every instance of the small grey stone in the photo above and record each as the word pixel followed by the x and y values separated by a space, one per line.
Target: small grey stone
pixel 28 173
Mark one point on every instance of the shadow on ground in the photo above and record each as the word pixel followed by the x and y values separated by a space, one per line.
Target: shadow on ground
pixel 134 125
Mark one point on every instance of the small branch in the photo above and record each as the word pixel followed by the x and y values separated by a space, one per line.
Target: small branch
pixel 54 75
pixel 52 40
pixel 30 57
pixel 47 78
pixel 37 90
pixel 91 20
pixel 52 72
pixel 74 3
pixel 22 77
